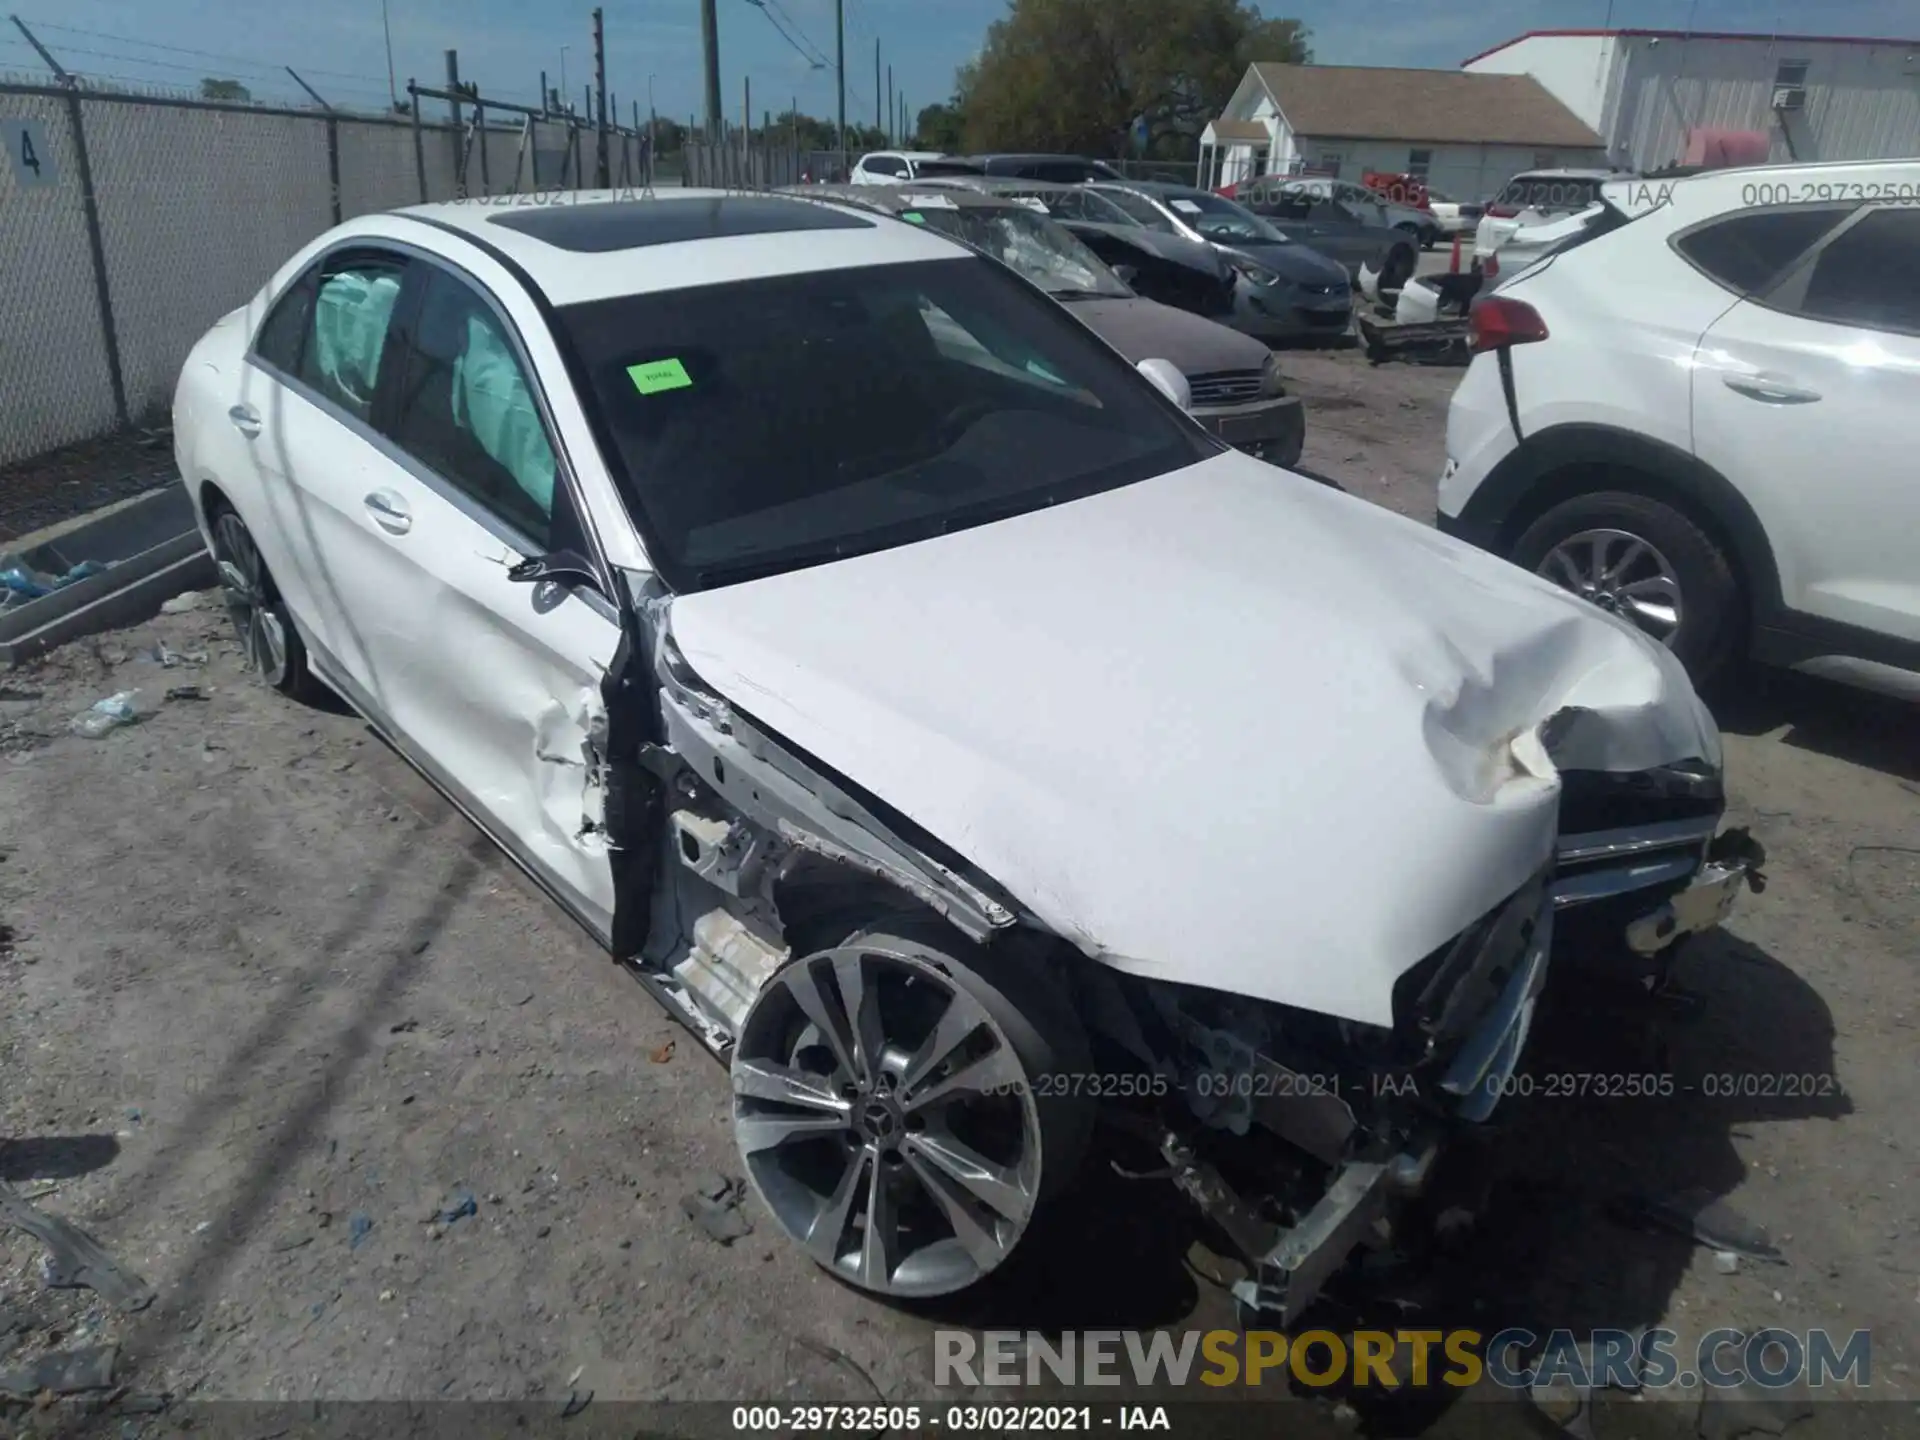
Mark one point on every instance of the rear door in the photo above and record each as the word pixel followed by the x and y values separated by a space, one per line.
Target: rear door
pixel 492 683
pixel 320 355
pixel 1805 397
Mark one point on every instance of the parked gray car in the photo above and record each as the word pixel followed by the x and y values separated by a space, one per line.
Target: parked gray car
pixel 1235 384
pixel 1158 264
pixel 1286 291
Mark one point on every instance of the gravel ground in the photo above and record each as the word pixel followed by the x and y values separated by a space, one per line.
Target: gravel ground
pixel 261 990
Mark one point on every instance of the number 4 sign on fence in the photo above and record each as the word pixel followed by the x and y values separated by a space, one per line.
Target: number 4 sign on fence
pixel 29 153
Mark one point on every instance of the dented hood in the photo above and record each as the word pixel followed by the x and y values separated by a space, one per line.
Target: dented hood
pixel 1226 727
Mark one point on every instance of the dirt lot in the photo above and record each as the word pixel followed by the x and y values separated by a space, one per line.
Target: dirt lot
pixel 267 1005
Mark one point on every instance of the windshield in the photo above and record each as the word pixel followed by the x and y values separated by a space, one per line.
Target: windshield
pixel 1140 210
pixel 1219 218
pixel 931 168
pixel 1028 242
pixel 1077 204
pixel 769 424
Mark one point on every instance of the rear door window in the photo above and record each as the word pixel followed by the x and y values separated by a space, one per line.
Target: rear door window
pixel 352 317
pixel 1866 275
pixel 283 334
pixel 1745 252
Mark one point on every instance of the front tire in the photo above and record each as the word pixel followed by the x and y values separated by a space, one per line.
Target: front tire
pixel 268 638
pixel 1648 562
pixel 899 1106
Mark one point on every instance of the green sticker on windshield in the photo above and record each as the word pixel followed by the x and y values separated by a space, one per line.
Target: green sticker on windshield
pixel 654 376
pixel 914 215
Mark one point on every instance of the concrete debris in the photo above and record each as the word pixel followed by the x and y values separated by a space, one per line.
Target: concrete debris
pixel 1699 1216
pixel 715 1208
pixel 62 1372
pixel 74 1258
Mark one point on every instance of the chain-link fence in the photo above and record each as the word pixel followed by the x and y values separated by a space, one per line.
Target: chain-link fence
pixel 129 223
pixel 741 164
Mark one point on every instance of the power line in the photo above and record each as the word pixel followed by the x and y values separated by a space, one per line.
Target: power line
pixel 186 50
pixel 811 53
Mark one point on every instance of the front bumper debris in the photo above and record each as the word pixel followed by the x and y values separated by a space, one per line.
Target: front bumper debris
pixel 1733 865
pixel 1275 429
pixel 1292 1264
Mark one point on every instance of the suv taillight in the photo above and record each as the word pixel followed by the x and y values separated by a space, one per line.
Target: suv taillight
pixel 1495 322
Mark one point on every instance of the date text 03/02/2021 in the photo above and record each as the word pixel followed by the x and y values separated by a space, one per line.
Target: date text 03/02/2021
pixel 1549 1085
pixel 958 1419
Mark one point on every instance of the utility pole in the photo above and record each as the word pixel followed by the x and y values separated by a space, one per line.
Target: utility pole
pixel 453 86
pixel 893 111
pixel 877 124
pixel 393 93
pixel 602 167
pixel 543 90
pixel 840 72
pixel 710 50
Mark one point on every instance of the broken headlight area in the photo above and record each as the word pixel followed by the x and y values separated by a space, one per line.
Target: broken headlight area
pixel 1640 856
pixel 1301 1136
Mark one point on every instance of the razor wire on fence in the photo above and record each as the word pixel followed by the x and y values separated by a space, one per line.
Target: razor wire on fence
pixel 131 222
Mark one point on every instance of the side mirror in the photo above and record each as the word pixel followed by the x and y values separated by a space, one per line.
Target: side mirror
pixel 1126 274
pixel 1170 381
pixel 561 567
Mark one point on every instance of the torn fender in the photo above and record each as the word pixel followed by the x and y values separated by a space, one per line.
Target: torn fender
pixel 1222 727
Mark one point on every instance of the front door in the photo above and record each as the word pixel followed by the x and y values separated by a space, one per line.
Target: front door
pixel 1805 397
pixel 492 683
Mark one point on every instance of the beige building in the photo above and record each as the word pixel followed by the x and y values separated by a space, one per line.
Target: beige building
pixel 1466 133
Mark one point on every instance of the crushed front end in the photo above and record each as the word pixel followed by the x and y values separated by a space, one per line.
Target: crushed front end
pixel 1301 1135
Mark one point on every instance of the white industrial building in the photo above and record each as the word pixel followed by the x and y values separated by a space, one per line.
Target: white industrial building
pixel 1466 134
pixel 1653 94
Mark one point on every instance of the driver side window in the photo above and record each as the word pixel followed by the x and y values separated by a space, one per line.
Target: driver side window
pixel 466 410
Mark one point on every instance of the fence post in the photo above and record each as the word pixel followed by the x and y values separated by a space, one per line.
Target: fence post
pixel 419 145
pixel 333 164
pixel 97 247
pixel 480 135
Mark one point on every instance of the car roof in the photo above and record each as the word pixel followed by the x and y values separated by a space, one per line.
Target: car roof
pixel 1145 187
pixel 594 245
pixel 941 194
pixel 907 154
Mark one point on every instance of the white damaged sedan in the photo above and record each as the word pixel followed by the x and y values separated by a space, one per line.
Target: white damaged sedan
pixel 936 719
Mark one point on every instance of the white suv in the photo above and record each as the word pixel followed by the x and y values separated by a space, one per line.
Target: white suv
pixel 890 167
pixel 1529 200
pixel 1699 413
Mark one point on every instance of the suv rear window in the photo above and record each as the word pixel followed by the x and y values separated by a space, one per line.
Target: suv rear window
pixel 1744 252
pixel 1549 192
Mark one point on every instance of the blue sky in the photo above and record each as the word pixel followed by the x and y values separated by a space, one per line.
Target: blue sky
pixel 504 44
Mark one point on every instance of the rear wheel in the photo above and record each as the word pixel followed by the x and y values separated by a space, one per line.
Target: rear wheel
pixel 1648 562
pixel 268 639
pixel 892 1106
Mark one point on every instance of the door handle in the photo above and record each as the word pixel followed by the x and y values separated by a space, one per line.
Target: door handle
pixel 390 512
pixel 1770 390
pixel 245 419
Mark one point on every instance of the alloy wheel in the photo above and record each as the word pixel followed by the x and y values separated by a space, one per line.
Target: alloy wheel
pixel 249 597
pixel 1621 572
pixel 886 1119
